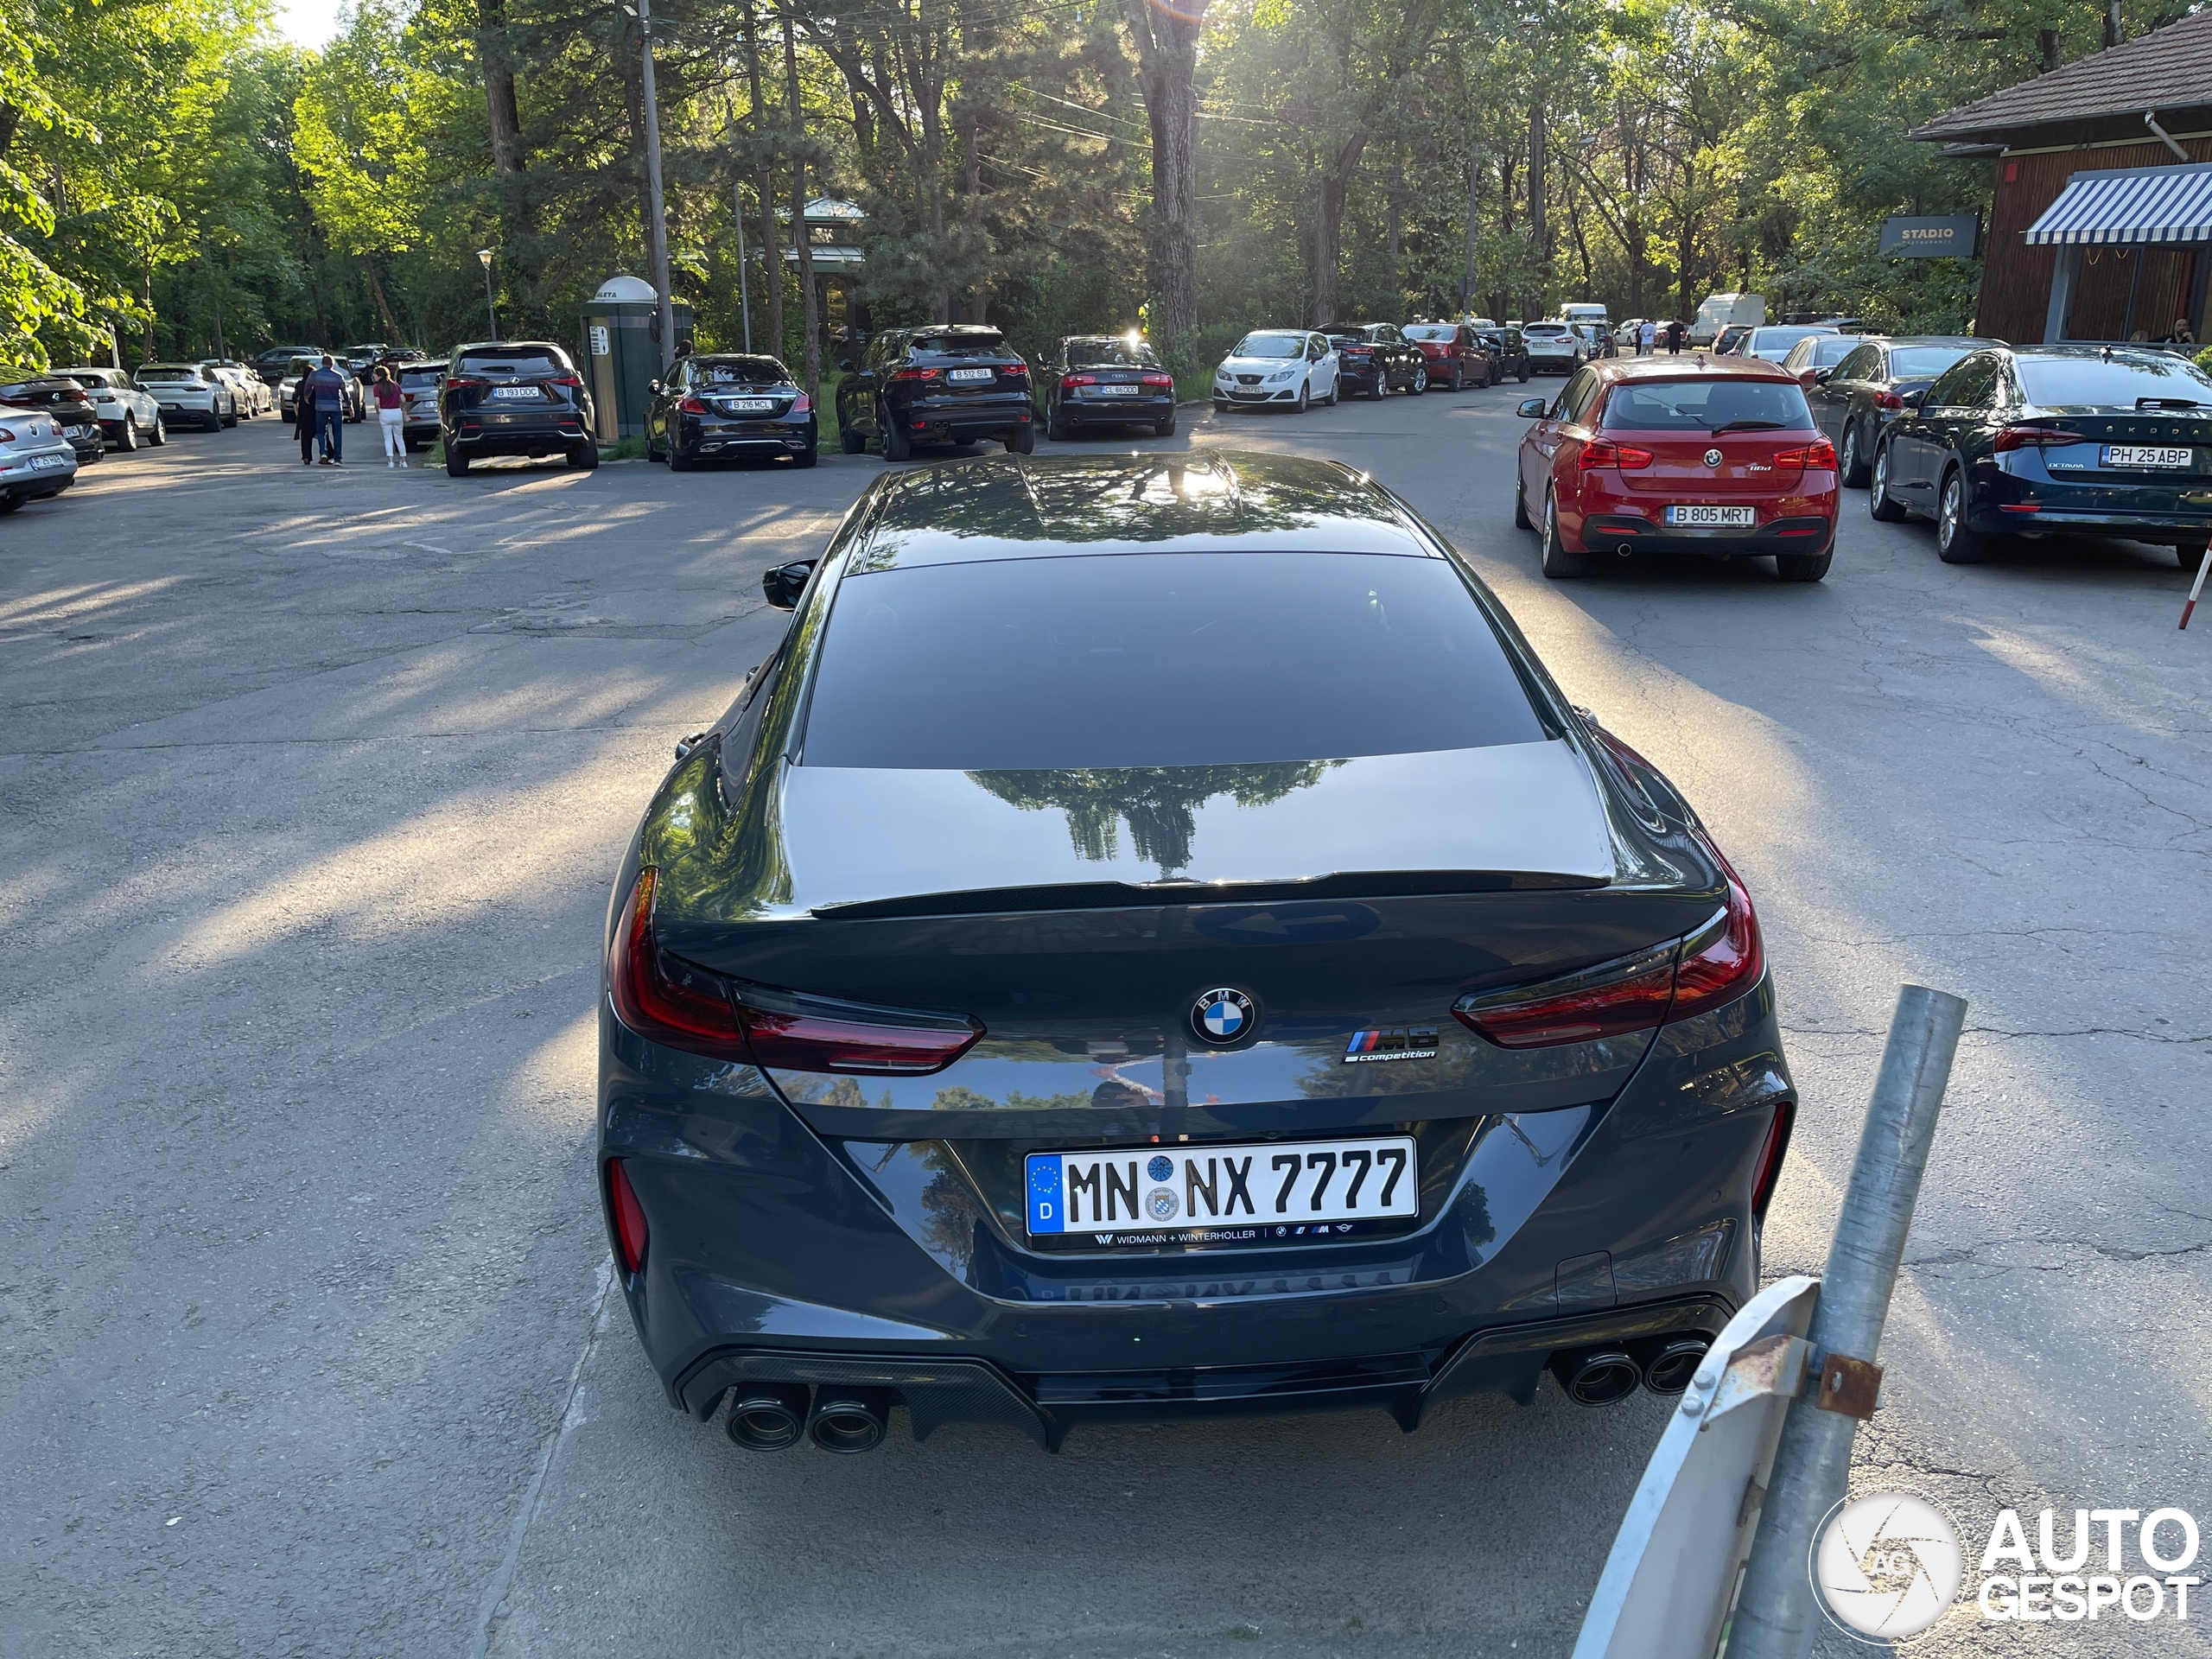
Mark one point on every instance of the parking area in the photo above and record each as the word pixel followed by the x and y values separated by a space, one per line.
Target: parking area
pixel 314 781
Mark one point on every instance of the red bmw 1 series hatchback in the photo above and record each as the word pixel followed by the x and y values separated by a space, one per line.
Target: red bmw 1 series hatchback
pixel 1717 457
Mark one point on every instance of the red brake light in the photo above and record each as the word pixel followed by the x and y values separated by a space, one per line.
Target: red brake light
pixel 802 405
pixel 1684 977
pixel 464 380
pixel 1158 379
pixel 1079 380
pixel 629 1216
pixel 2032 437
pixel 670 1001
pixel 1888 400
pixel 1603 452
pixel 918 374
pixel 1817 456
pixel 692 406
pixel 575 380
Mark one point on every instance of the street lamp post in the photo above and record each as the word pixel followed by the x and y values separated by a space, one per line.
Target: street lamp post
pixel 491 310
pixel 658 226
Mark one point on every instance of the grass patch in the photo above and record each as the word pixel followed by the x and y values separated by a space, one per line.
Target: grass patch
pixel 630 449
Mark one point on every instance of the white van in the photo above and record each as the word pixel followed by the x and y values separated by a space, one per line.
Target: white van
pixel 1721 310
pixel 1583 312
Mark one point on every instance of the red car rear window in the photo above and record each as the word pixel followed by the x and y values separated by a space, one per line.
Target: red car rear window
pixel 1701 403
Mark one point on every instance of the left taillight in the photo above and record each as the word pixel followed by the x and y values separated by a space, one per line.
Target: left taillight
pixel 1603 452
pixel 1675 981
pixel 629 1216
pixel 672 1002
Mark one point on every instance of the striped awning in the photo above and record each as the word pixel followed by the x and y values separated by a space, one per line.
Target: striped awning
pixel 2131 205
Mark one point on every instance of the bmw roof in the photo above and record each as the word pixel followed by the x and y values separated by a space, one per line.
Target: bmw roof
pixel 1018 507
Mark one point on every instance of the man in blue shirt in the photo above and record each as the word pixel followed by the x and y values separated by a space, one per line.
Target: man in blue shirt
pixel 327 388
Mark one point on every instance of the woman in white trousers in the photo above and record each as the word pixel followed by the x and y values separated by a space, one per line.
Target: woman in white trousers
pixel 391 417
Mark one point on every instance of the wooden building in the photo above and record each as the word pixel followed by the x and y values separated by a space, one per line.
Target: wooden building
pixel 2100 216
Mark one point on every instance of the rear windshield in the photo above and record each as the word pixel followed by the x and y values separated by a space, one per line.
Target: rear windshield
pixel 981 344
pixel 1168 660
pixel 1701 405
pixel 511 363
pixel 1544 330
pixel 1270 345
pixel 422 375
pixel 1109 354
pixel 1923 362
pixel 1431 331
pixel 740 371
pixel 165 373
pixel 2114 382
pixel 1777 341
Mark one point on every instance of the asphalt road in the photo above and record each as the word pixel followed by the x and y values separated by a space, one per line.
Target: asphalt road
pixel 311 782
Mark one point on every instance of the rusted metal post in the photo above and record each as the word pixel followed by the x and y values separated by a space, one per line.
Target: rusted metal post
pixel 1775 1617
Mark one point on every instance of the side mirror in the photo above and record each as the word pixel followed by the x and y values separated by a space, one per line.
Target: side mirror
pixel 1530 409
pixel 1821 377
pixel 847 365
pixel 654 387
pixel 1915 399
pixel 782 585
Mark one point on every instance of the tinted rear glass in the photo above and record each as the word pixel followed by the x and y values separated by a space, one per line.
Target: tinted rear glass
pixel 427 376
pixel 167 376
pixel 1432 331
pixel 1923 362
pixel 1159 660
pixel 505 363
pixel 1545 330
pixel 1109 354
pixel 1776 342
pixel 740 371
pixel 2119 382
pixel 1701 405
pixel 984 345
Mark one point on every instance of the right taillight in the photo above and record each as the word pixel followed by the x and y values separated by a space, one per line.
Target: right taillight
pixel 674 1003
pixel 629 1216
pixel 1714 965
pixel 1888 400
pixel 2032 437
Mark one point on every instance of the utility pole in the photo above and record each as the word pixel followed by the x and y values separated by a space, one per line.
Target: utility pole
pixel 744 299
pixel 805 247
pixel 659 228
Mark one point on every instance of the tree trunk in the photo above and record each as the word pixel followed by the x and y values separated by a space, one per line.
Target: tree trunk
pixel 1328 248
pixel 971 210
pixel 1166 40
pixel 764 194
pixel 2047 48
pixel 383 306
pixel 2113 33
pixel 507 154
pixel 807 300
pixel 1394 227
pixel 1474 208
pixel 1686 252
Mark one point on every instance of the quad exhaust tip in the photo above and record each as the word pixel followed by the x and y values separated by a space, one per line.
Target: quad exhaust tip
pixel 1669 1369
pixel 1599 1376
pixel 768 1416
pixel 848 1420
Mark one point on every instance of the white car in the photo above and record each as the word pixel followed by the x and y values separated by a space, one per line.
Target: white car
pixel 1294 366
pixel 252 391
pixel 187 392
pixel 127 415
pixel 1552 346
pixel 35 460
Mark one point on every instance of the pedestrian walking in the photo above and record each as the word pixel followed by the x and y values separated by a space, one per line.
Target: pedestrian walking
pixel 1646 337
pixel 391 417
pixel 303 422
pixel 1675 337
pixel 325 388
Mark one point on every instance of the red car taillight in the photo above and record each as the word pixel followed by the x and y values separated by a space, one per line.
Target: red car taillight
pixel 673 1002
pixel 1157 379
pixel 802 405
pixel 1888 400
pixel 2032 437
pixel 692 406
pixel 918 374
pixel 1079 380
pixel 629 1216
pixel 1819 456
pixel 575 380
pixel 1603 452
pixel 1687 977
pixel 459 381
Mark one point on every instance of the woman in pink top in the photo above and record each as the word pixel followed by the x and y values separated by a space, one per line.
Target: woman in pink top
pixel 392 415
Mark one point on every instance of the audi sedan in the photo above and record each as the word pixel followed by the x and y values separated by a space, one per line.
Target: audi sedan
pixel 1116 381
pixel 1714 457
pixel 1274 994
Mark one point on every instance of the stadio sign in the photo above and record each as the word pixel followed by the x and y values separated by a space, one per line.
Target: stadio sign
pixel 1932 237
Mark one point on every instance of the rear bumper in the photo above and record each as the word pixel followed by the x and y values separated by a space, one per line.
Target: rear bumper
pixel 1610 532
pixel 528 436
pixel 779 1254
pixel 702 439
pixel 18 481
pixel 950 419
pixel 2017 496
pixel 1117 411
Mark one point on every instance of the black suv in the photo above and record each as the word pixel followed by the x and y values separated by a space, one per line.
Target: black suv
pixel 1105 380
pixel 1375 358
pixel 950 383
pixel 72 406
pixel 514 397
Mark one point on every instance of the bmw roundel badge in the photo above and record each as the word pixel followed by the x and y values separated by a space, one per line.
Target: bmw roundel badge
pixel 1223 1016
pixel 1712 457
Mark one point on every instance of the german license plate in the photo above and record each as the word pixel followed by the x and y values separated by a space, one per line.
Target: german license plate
pixel 2144 455
pixel 1186 1194
pixel 1119 392
pixel 968 374
pixel 529 393
pixel 747 405
pixel 1705 517
pixel 47 463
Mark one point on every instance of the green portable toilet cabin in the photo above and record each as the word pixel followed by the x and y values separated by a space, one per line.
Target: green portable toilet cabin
pixel 622 353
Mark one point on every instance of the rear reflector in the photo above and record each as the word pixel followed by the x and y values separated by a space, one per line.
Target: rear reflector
pixel 629 1216
pixel 1675 981
pixel 674 1003
pixel 1768 1170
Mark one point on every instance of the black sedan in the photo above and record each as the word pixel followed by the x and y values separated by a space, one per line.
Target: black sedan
pixel 1274 994
pixel 1509 351
pixel 1374 358
pixel 514 397
pixel 2049 440
pixel 729 408
pixel 949 383
pixel 1105 380
pixel 1854 399
pixel 71 405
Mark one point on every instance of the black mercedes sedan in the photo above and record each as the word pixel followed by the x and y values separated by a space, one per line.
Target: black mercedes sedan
pixel 730 407
pixel 2054 440
pixel 1113 381
pixel 1855 398
pixel 950 383
pixel 1375 358
pixel 1152 939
